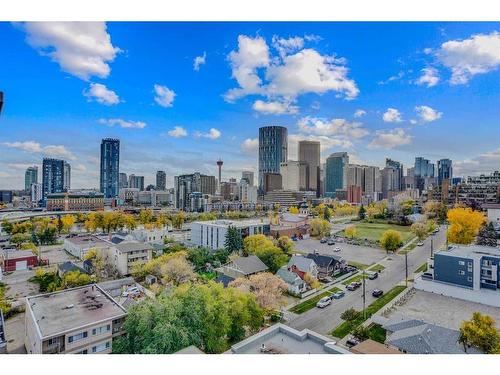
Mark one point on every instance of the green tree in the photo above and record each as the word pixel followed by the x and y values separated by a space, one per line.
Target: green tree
pixel 208 316
pixel 7 226
pixel 487 235
pixel 350 315
pixel 320 227
pixel 362 213
pixel 391 240
pixel 420 229
pixel 480 332
pixel 261 246
pixel 233 241
pixel 285 244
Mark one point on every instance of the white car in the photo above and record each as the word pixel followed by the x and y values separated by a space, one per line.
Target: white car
pixel 323 302
pixel 420 244
pixel 337 249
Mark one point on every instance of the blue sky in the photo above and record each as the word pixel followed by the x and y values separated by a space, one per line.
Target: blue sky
pixel 375 90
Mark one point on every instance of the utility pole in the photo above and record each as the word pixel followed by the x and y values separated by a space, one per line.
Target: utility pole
pixel 432 246
pixel 364 294
pixel 406 266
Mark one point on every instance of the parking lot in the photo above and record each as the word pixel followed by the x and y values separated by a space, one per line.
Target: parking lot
pixel 360 254
pixel 441 310
pixel 14 330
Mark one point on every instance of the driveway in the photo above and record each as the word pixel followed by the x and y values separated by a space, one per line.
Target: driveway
pixel 324 320
pixel 18 285
pixel 360 254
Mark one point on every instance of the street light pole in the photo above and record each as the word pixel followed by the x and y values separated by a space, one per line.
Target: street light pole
pixel 406 266
pixel 364 294
pixel 432 246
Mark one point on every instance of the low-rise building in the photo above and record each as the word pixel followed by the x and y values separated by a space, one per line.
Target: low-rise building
pixel 294 283
pixel 493 211
pixel 242 266
pixel 78 246
pixel 302 265
pixel 75 201
pixel 17 260
pixel 328 265
pixel 126 254
pixel 212 234
pixel 82 320
pixel 282 339
pixel 467 272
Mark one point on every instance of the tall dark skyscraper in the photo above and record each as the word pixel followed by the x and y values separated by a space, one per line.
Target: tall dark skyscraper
pixel 52 177
pixel 161 180
pixel 273 150
pixel 110 167
pixel 445 170
pixel 309 153
pixel 335 173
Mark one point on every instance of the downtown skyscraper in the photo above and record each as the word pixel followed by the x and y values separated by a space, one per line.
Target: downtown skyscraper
pixel 110 167
pixel 30 177
pixel 52 177
pixel 273 150
pixel 336 173
pixel 310 153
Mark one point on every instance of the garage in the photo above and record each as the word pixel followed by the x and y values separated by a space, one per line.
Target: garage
pixel 21 265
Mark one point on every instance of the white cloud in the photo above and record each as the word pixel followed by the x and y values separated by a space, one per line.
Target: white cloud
pixel 250 145
pixel 390 139
pixel 483 163
pixel 289 75
pixel 359 113
pixel 396 77
pixel 429 77
pixel 126 124
pixel 275 107
pixel 316 105
pixel 199 61
pixel 83 49
pixel 212 134
pixel 35 147
pixel 101 94
pixel 252 53
pixel 465 58
pixel 413 121
pixel 427 114
pixel 392 115
pixel 287 46
pixel 79 167
pixel 335 126
pixel 177 132
pixel 164 96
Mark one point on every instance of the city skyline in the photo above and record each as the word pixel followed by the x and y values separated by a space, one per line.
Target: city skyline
pixel 423 92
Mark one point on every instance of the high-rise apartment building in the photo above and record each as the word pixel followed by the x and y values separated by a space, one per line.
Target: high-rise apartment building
pixel 372 181
pixel 248 176
pixel 423 167
pixel 445 170
pixel 390 181
pixel 30 177
pixel 293 175
pixel 335 173
pixel 52 176
pixel 400 175
pixel 273 150
pixel 310 153
pixel 188 184
pixel 110 167
pixel 123 180
pixel 136 182
pixel 67 176
pixel 161 180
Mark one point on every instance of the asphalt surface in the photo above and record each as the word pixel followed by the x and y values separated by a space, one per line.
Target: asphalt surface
pixel 324 320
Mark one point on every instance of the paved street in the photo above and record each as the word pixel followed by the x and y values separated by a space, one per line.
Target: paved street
pixel 323 320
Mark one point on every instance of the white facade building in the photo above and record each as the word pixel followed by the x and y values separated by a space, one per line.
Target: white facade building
pixel 293 175
pixel 247 193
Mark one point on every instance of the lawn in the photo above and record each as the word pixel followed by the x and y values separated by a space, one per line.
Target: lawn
pixel 357 277
pixel 373 231
pixel 360 266
pixel 343 329
pixel 376 267
pixel 377 333
pixel 311 303
pixel 422 268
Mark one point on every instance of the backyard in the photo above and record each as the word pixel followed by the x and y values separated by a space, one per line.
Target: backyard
pixel 373 231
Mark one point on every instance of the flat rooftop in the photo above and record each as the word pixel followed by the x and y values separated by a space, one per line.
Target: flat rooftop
pixel 58 312
pixel 234 223
pixel 282 339
pixel 471 251
pixel 89 240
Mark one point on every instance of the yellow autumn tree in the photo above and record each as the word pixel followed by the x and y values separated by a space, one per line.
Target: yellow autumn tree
pixel 464 225
pixel 350 231
pixel 293 210
pixel 67 222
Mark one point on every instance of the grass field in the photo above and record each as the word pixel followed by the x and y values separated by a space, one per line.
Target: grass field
pixel 360 266
pixel 343 329
pixel 377 333
pixel 373 231
pixel 422 268
pixel 376 267
pixel 311 303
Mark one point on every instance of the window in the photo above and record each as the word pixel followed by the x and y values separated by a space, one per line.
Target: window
pixel 84 351
pixel 461 263
pixel 103 329
pixel 77 337
pixel 486 263
pixel 469 279
pixel 461 273
pixel 101 347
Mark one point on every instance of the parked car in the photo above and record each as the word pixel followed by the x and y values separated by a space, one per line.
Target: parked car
pixel 339 294
pixel 336 249
pixel 351 342
pixel 351 269
pixel 351 287
pixel 372 275
pixel 420 244
pixel 323 302
pixel 357 283
pixel 377 293
pixel 323 240
pixel 331 242
pixel 436 230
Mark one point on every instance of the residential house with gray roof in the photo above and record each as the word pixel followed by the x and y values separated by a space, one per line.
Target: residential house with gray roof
pixel 295 284
pixel 243 266
pixel 302 265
